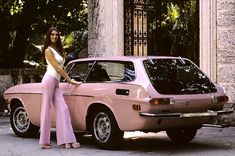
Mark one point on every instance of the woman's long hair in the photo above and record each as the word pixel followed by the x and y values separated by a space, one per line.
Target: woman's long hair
pixel 47 43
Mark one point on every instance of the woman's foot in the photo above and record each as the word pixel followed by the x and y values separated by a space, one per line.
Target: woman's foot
pixel 68 145
pixel 72 145
pixel 46 146
pixel 75 145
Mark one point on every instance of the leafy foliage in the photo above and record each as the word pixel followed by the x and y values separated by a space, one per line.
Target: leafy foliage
pixel 176 28
pixel 25 22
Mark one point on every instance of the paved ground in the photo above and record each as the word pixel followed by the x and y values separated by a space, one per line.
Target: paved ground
pixel 209 141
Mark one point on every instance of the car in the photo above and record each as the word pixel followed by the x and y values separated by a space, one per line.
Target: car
pixel 126 93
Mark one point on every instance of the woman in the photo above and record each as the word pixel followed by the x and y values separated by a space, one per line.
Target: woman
pixel 55 58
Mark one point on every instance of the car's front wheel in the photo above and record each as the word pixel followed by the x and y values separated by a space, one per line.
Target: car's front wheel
pixel 183 135
pixel 105 130
pixel 21 124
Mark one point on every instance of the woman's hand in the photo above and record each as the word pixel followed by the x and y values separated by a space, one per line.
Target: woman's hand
pixel 72 81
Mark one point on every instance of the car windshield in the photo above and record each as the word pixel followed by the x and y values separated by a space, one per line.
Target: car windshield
pixel 177 76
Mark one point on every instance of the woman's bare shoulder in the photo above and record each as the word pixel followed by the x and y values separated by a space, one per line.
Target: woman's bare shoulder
pixel 48 51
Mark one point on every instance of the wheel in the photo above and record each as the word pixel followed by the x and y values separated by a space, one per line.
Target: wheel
pixel 21 124
pixel 105 130
pixel 183 135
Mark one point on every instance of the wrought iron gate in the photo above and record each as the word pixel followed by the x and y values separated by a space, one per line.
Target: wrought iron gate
pixel 145 35
pixel 135 27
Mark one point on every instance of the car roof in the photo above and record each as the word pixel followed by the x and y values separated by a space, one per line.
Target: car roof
pixel 123 58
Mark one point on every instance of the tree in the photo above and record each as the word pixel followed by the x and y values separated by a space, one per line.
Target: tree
pixel 24 20
pixel 180 21
pixel 174 28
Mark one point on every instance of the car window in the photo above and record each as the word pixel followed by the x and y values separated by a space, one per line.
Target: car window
pixel 79 70
pixel 112 71
pixel 177 76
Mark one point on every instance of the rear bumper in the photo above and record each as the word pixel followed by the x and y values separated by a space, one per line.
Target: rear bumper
pixel 209 113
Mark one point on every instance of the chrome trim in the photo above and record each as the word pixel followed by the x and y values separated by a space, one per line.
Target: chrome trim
pixel 21 93
pixel 68 94
pixel 225 111
pixel 209 113
pixel 216 126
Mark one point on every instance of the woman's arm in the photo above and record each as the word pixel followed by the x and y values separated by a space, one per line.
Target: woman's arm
pixel 51 58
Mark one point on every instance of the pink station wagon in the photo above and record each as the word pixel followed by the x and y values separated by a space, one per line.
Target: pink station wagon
pixel 126 93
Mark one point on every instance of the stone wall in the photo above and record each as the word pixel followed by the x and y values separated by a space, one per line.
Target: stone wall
pixel 226 48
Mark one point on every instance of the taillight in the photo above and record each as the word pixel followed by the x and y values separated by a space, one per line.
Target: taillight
pixel 161 101
pixel 219 99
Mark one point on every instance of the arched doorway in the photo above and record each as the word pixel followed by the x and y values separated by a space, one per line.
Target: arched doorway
pixel 162 27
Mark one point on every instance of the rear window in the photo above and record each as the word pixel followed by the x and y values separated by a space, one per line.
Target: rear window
pixel 177 76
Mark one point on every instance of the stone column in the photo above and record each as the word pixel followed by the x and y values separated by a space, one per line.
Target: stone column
pixel 208 38
pixel 105 28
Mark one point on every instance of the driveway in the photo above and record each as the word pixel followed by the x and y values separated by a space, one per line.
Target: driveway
pixel 208 141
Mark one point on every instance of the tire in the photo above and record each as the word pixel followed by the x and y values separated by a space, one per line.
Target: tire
pixel 21 124
pixel 105 130
pixel 183 135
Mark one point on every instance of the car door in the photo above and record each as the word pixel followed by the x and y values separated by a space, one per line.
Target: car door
pixel 78 94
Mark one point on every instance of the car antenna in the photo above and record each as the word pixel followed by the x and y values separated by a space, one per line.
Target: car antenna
pixel 151 61
pixel 181 60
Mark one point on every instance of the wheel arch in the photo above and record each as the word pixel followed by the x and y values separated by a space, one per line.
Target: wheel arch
pixel 19 102
pixel 16 102
pixel 90 111
pixel 31 131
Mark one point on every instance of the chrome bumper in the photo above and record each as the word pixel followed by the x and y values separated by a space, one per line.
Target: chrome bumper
pixel 209 113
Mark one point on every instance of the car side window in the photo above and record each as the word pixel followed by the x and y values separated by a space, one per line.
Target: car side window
pixel 80 70
pixel 112 71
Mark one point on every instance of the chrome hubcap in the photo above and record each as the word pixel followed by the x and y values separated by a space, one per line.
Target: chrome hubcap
pixel 102 127
pixel 20 120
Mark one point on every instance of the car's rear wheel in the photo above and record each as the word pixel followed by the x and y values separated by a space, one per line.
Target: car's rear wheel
pixel 105 130
pixel 183 135
pixel 21 124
